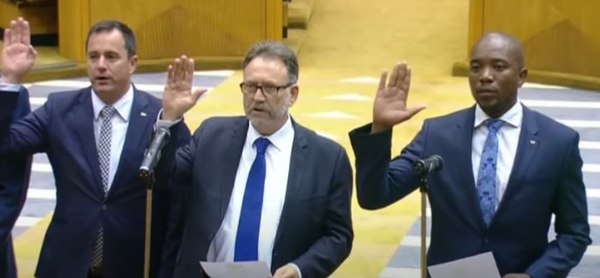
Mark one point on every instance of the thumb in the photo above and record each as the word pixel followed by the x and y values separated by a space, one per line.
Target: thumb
pixel 196 94
pixel 414 110
pixel 32 51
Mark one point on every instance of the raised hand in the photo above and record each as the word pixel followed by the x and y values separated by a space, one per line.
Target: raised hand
pixel 18 55
pixel 389 108
pixel 178 97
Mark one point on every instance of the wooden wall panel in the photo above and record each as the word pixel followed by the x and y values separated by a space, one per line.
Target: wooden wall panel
pixel 558 35
pixel 198 28
pixel 42 19
pixel 73 25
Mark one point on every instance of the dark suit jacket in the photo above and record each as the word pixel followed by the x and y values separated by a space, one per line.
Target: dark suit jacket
pixel 546 178
pixel 14 181
pixel 315 230
pixel 63 128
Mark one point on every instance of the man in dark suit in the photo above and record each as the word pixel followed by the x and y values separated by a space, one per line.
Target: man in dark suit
pixel 507 169
pixel 262 187
pixel 95 139
pixel 14 181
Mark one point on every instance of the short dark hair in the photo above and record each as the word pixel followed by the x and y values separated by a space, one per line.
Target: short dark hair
pixel 277 50
pixel 109 25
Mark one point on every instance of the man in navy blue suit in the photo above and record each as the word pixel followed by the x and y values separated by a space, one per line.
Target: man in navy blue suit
pixel 295 216
pixel 507 169
pixel 95 139
pixel 14 181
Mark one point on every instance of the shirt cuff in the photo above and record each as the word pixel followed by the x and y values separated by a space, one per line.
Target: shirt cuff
pixel 8 87
pixel 296 268
pixel 165 123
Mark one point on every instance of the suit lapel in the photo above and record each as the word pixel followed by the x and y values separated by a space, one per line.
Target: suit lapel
pixel 141 122
pixel 464 133
pixel 528 141
pixel 296 173
pixel 231 153
pixel 82 117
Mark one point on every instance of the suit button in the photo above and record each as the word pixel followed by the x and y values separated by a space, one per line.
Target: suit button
pixel 104 207
pixel 486 240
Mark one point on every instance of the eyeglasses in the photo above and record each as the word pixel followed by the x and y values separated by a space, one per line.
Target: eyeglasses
pixel 267 89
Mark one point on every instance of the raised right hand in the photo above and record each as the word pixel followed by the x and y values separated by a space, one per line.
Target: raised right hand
pixel 18 55
pixel 179 97
pixel 389 108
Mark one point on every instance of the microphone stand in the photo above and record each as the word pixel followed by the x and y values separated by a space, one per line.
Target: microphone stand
pixel 148 178
pixel 146 173
pixel 423 190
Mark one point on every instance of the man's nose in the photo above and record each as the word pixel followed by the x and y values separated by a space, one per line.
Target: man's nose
pixel 101 63
pixel 259 94
pixel 486 75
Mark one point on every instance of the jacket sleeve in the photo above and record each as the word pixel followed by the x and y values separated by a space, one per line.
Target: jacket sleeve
pixel 380 180
pixel 571 223
pixel 14 181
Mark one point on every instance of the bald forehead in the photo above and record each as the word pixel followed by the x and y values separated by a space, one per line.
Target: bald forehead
pixel 490 43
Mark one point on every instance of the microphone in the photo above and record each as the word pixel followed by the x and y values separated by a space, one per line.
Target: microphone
pixel 428 165
pixel 152 154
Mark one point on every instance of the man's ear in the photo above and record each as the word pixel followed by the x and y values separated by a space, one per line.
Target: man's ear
pixel 522 76
pixel 294 91
pixel 133 62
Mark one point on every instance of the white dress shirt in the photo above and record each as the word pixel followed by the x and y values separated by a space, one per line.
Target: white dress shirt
pixel 120 123
pixel 277 158
pixel 7 87
pixel 508 139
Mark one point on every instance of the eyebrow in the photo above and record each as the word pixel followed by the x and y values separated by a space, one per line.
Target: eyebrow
pixel 493 60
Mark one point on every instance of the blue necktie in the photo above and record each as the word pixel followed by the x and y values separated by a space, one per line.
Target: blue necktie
pixel 246 240
pixel 486 181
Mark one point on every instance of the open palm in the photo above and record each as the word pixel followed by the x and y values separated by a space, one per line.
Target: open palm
pixel 178 96
pixel 18 56
pixel 390 105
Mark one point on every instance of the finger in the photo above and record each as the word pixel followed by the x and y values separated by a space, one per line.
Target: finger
pixel 401 74
pixel 278 274
pixel 382 80
pixel 406 81
pixel 281 274
pixel 393 76
pixel 183 67
pixel 170 74
pixel 26 33
pixel 19 31
pixel 189 76
pixel 177 70
pixel 11 33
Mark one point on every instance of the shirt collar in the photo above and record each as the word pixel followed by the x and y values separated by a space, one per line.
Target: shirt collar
pixel 123 105
pixel 513 117
pixel 277 139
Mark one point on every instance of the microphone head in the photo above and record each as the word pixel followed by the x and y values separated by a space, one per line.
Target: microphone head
pixel 430 164
pixel 439 160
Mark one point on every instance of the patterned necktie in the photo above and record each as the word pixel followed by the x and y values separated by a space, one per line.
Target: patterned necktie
pixel 246 241
pixel 106 115
pixel 486 181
